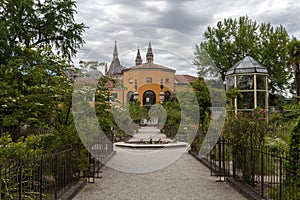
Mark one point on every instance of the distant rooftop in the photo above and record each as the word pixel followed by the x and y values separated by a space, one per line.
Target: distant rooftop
pixel 149 65
pixel 184 79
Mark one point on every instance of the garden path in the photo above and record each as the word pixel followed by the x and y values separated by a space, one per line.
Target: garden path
pixel 185 179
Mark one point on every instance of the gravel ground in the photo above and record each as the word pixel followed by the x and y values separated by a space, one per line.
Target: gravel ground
pixel 185 179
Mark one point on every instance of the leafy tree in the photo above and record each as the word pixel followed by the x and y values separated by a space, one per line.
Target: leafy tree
pixel 32 85
pixel 293 164
pixel 36 24
pixel 174 116
pixel 293 62
pixel 37 41
pixel 204 101
pixel 36 37
pixel 138 112
pixel 231 40
pixel 190 110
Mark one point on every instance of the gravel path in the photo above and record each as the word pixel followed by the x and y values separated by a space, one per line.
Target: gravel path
pixel 185 179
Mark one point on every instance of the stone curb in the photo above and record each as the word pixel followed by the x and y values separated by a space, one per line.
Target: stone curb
pixel 73 190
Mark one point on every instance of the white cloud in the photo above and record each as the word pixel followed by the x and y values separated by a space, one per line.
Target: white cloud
pixel 121 20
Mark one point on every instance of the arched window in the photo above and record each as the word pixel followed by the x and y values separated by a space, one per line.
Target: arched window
pixel 149 98
pixel 130 96
pixel 167 95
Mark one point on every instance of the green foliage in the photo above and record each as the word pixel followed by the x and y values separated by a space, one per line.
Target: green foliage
pixel 37 42
pixel 173 120
pixel 246 128
pixel 24 149
pixel 292 111
pixel 103 106
pixel 204 100
pixel 293 167
pixel 191 112
pixel 137 112
pixel 231 40
pixel 290 185
pixel 279 128
pixel 38 24
pixel 31 87
pixel 232 94
pixel 293 56
pixel 245 133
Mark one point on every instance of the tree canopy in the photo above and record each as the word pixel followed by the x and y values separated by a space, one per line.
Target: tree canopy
pixel 293 55
pixel 35 24
pixel 37 42
pixel 232 39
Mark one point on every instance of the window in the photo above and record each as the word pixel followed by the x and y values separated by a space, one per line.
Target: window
pixel 114 96
pixel 130 81
pixel 167 95
pixel 130 96
pixel 230 82
pixel 245 82
pixel 149 98
pixel 149 79
pixel 167 80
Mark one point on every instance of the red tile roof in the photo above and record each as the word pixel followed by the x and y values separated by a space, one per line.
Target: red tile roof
pixel 184 79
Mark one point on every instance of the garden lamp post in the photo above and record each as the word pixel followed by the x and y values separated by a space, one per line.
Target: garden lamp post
pixel 135 94
pixel 161 94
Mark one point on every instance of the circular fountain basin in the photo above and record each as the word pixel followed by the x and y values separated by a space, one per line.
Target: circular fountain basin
pixel 150 137
pixel 140 145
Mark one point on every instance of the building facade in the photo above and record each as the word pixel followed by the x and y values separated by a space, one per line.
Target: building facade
pixel 146 82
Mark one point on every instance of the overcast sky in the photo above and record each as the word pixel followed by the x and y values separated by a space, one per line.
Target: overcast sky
pixel 173 27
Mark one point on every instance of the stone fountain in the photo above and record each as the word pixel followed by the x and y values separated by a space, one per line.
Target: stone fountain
pixel 150 137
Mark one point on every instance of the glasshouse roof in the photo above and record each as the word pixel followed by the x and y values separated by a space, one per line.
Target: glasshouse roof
pixel 247 65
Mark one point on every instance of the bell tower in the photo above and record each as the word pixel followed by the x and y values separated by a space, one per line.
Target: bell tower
pixel 149 55
pixel 138 60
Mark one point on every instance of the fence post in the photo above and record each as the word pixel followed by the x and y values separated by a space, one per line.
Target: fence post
pixel 0 181
pixel 56 176
pixel 223 159
pixel 280 177
pixel 233 162
pixel 220 161
pixel 20 181
pixel 41 178
pixel 262 188
pixel 210 157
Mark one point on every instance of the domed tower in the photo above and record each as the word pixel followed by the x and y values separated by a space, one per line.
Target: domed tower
pixel 149 55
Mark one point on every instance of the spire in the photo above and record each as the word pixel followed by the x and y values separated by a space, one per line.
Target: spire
pixel 115 67
pixel 138 60
pixel 149 55
pixel 115 51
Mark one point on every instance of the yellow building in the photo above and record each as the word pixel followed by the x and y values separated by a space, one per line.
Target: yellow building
pixel 147 82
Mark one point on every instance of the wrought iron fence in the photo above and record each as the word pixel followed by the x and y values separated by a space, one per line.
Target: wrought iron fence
pixel 50 175
pixel 46 177
pixel 100 151
pixel 265 171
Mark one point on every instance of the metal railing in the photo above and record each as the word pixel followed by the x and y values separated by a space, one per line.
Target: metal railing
pixel 46 177
pixel 100 150
pixel 50 175
pixel 264 171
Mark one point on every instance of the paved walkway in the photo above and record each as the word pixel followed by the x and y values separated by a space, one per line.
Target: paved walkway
pixel 184 179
